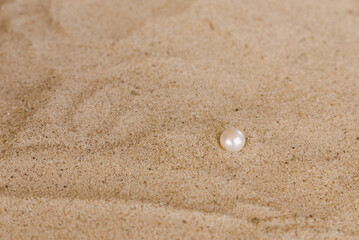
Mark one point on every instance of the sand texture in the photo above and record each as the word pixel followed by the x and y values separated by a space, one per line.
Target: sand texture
pixel 110 114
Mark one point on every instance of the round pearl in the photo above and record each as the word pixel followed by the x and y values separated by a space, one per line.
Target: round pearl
pixel 232 140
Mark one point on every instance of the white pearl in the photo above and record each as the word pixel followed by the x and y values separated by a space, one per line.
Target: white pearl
pixel 232 140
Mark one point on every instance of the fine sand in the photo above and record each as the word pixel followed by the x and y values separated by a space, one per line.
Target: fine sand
pixel 110 114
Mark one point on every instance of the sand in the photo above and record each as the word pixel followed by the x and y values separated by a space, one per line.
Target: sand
pixel 110 114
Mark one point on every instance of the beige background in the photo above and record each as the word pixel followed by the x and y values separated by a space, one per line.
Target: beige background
pixel 110 113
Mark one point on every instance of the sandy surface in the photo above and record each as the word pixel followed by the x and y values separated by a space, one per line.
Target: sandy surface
pixel 110 113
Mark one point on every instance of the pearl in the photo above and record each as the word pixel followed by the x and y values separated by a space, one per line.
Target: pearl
pixel 232 140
